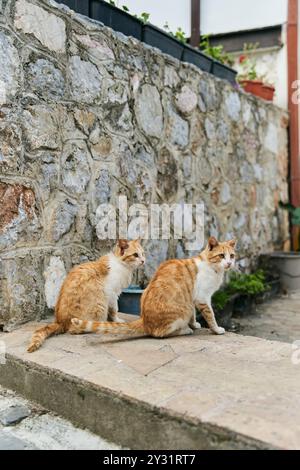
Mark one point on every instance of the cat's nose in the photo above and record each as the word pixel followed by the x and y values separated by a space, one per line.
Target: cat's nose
pixel 229 264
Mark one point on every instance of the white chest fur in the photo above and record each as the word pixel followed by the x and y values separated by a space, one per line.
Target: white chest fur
pixel 208 281
pixel 118 278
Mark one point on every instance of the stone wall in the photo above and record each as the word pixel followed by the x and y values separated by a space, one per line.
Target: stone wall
pixel 86 115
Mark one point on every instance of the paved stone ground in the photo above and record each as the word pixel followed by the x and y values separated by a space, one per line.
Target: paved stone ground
pixel 278 319
pixel 200 391
pixel 33 427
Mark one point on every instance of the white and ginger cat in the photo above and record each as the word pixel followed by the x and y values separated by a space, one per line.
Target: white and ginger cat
pixel 178 287
pixel 90 291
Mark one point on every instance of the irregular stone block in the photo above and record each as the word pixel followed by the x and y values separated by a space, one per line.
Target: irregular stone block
pixel 48 28
pixel 44 79
pixel 14 415
pixel 61 217
pixel 271 138
pixel 98 51
pixel 233 106
pixel 167 177
pixel 75 167
pixel 186 100
pixel 178 130
pixel 9 442
pixel 21 289
pixel 10 69
pixel 41 127
pixel 19 220
pixel 149 111
pixel 54 274
pixel 10 147
pixel 85 80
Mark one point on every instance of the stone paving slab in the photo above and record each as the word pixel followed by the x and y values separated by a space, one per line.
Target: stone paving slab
pixel 196 392
pixel 278 319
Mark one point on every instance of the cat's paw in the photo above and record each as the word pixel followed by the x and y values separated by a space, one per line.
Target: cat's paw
pixel 119 320
pixel 219 331
pixel 196 326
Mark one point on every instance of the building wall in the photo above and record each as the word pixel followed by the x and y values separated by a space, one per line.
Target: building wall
pixel 272 67
pixel 219 16
pixel 88 115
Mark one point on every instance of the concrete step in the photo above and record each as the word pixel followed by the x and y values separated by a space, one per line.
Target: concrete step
pixel 26 425
pixel 196 392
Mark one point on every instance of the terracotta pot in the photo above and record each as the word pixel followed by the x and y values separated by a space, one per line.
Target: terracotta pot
pixel 268 92
pixel 258 88
pixel 253 86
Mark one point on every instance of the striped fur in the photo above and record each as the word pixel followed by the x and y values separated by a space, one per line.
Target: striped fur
pixel 86 326
pixel 178 287
pixel 90 291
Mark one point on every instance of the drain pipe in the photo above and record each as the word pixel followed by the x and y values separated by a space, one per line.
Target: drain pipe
pixel 294 131
pixel 195 23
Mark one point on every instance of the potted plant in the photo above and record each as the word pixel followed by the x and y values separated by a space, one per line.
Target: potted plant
pixel 223 304
pixel 288 262
pixel 249 287
pixel 198 58
pixel 116 18
pixel 222 63
pixel 166 41
pixel 249 79
pixel 77 5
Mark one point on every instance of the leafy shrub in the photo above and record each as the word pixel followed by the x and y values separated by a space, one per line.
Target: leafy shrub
pixel 246 284
pixel 216 52
pixel 250 284
pixel 220 299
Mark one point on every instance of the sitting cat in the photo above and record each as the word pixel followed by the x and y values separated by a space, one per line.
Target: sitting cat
pixel 91 290
pixel 168 304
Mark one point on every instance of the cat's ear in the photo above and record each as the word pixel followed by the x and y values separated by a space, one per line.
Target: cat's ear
pixel 212 243
pixel 232 243
pixel 123 245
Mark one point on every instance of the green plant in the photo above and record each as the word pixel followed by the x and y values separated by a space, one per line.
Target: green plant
pixel 220 299
pixel 144 17
pixel 179 34
pixel 246 284
pixel 295 220
pixel 248 63
pixel 216 52
pixel 250 284
pixel 294 211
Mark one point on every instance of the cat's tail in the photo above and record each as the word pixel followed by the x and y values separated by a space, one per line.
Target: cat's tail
pixel 43 333
pixel 115 328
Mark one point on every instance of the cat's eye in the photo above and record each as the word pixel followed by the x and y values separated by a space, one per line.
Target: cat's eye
pixel 136 255
pixel 222 256
pixel 232 256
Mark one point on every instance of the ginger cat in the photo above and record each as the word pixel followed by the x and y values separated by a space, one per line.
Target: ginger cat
pixel 168 304
pixel 91 290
